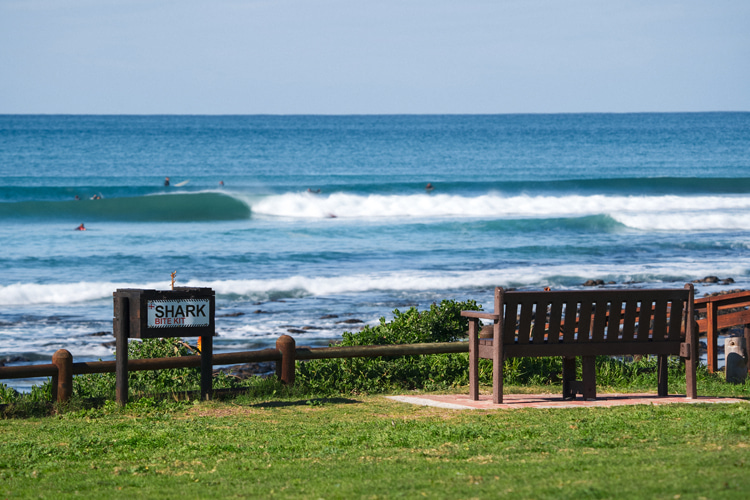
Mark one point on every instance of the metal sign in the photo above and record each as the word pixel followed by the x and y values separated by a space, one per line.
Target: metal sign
pixel 178 313
pixel 182 312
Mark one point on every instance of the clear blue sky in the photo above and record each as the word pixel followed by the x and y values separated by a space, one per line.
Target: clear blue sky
pixel 371 57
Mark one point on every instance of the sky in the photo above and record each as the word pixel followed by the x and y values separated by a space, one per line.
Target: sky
pixel 373 57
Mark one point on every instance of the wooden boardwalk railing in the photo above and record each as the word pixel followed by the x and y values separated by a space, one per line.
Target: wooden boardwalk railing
pixel 722 311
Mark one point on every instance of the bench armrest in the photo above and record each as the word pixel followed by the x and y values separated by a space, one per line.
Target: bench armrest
pixel 480 315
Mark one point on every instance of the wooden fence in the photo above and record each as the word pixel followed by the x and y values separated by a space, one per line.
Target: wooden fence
pixel 286 353
pixel 715 313
pixel 719 312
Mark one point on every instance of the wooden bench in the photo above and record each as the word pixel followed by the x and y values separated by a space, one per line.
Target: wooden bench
pixel 585 323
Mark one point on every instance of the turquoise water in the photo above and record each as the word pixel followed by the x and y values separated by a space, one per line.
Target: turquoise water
pixel 520 201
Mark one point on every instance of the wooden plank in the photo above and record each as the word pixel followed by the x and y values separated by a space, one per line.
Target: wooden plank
pixel 659 331
pixel 584 321
pixel 711 335
pixel 676 313
pixel 728 298
pixel 571 321
pixel 121 327
pixel 509 323
pixel 600 321
pixel 540 321
pixel 555 320
pixel 691 338
pixel 613 323
pixel 591 349
pixel 667 294
pixel 727 320
pixel 479 314
pixel 524 322
pixel 30 371
pixel 207 351
pixel 474 359
pixel 362 351
pixel 628 320
pixel 644 319
pixel 498 352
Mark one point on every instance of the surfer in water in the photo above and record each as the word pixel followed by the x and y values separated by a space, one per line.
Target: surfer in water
pixel 81 227
pixel 166 181
pixel 429 187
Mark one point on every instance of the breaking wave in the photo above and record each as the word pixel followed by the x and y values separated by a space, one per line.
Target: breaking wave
pixel 670 212
pixel 178 207
pixel 400 281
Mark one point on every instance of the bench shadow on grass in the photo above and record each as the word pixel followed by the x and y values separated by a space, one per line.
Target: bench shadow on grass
pixel 305 402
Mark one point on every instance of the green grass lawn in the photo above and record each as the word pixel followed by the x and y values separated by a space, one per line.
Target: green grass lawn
pixel 371 447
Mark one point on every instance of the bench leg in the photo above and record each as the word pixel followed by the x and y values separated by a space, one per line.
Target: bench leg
pixel 473 359
pixel 589 377
pixel 568 377
pixel 497 365
pixel 691 338
pixel 662 376
pixel 691 368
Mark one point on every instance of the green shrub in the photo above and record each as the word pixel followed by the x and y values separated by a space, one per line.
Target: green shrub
pixel 441 323
pixel 102 385
pixel 39 394
pixel 7 394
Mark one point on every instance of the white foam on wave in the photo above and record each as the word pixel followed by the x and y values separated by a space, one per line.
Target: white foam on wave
pixel 63 293
pixel 643 212
pixel 401 281
pixel 686 221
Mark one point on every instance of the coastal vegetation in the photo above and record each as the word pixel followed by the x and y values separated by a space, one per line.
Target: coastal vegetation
pixel 334 435
pixel 355 376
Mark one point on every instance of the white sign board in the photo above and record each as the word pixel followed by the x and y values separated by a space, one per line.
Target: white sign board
pixel 178 313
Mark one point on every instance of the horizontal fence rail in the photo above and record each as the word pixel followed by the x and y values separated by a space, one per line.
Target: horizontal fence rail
pixel 48 370
pixel 63 368
pixel 365 351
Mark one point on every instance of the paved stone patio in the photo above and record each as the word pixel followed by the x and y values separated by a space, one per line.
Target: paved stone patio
pixel 516 401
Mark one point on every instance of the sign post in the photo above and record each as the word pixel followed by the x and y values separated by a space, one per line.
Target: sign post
pixel 146 314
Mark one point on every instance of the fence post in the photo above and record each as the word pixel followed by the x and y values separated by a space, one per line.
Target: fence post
pixel 285 368
pixel 712 317
pixel 121 327
pixel 207 352
pixel 62 384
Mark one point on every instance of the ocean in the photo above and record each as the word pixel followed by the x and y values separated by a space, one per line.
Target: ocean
pixel 305 224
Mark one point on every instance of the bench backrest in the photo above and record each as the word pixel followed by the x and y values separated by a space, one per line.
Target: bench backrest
pixel 593 316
